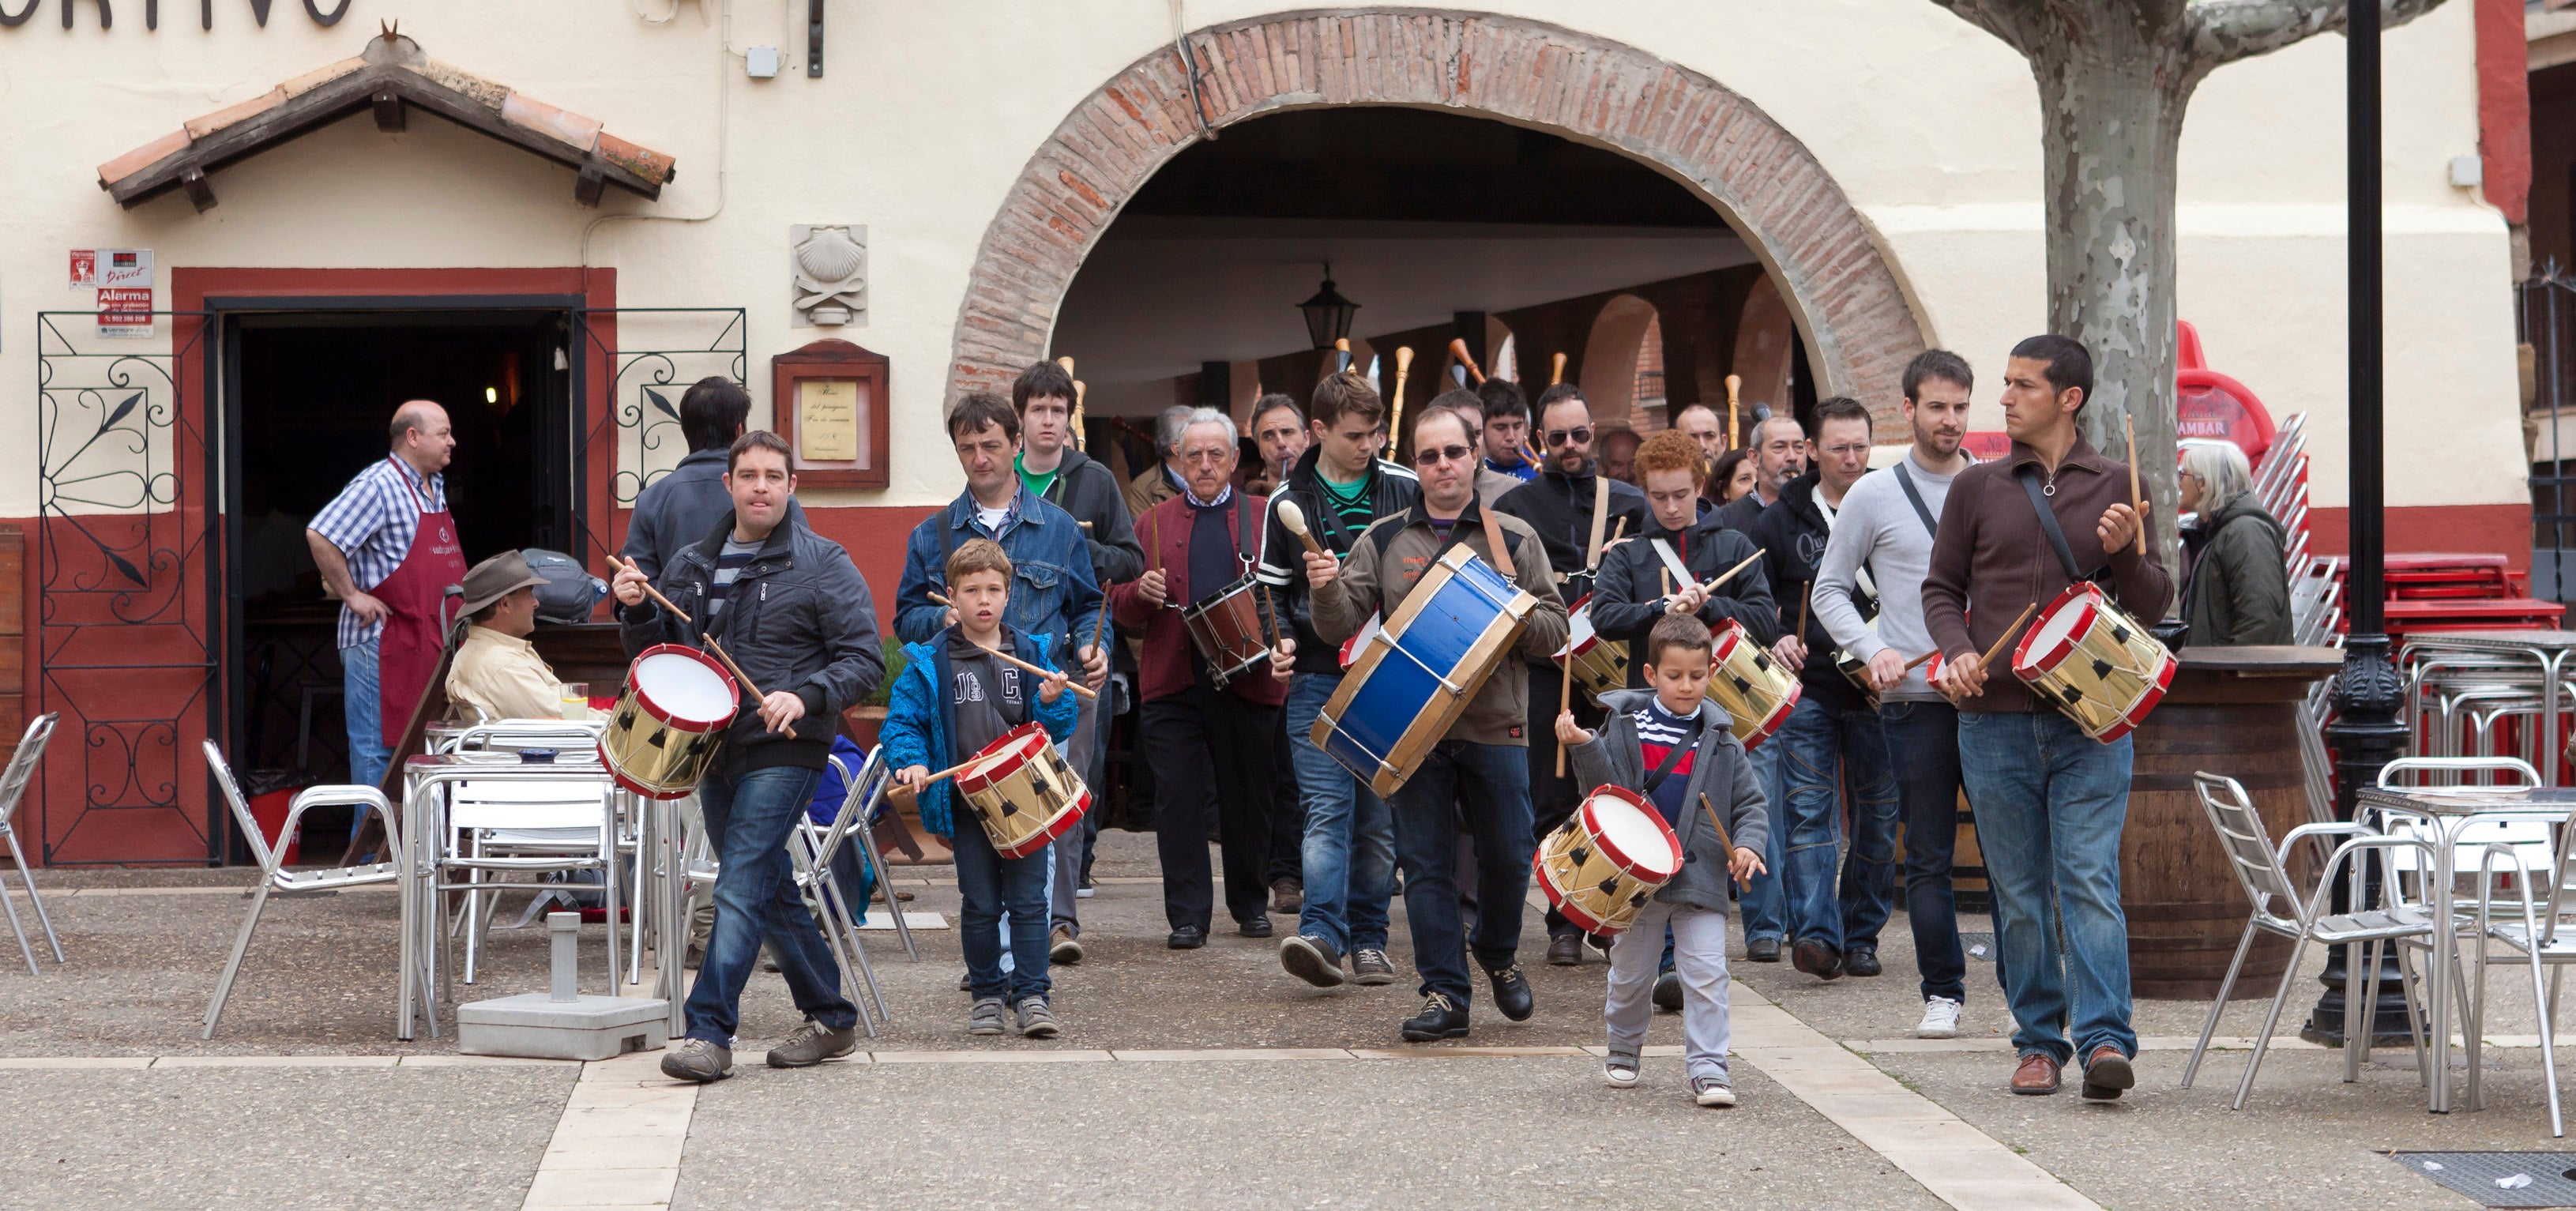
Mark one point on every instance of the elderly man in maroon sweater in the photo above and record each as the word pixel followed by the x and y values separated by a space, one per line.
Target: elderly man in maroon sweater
pixel 2051 800
pixel 1210 748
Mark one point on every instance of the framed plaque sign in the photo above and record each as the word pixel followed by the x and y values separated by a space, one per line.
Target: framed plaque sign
pixel 829 401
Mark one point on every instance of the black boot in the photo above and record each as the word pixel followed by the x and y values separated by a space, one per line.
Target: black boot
pixel 1439 1019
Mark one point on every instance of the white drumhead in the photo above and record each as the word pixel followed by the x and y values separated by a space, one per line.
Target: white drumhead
pixel 2057 626
pixel 684 689
pixel 1632 832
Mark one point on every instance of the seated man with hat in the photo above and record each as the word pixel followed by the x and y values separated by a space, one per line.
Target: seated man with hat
pixel 496 670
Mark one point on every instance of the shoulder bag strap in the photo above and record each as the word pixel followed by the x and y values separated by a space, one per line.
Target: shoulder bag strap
pixel 2029 477
pixel 1906 481
pixel 1672 758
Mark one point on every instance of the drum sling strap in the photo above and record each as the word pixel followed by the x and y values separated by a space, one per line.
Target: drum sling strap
pixel 2029 477
pixel 1672 758
pixel 1915 498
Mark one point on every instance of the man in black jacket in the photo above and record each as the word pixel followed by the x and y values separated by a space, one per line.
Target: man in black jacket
pixel 803 629
pixel 1561 504
pixel 1340 487
pixel 1061 475
pixel 1832 739
pixel 1680 552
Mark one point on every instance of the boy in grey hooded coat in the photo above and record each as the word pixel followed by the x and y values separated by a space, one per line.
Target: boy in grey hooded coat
pixel 1693 903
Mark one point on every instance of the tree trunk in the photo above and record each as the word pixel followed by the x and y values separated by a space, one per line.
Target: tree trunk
pixel 2111 99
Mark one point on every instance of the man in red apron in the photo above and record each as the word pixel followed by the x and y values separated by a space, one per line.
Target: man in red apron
pixel 388 550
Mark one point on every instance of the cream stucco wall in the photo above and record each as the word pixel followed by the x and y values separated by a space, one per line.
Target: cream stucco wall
pixel 928 112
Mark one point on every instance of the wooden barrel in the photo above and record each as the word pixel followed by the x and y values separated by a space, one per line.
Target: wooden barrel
pixel 2231 711
pixel 1968 865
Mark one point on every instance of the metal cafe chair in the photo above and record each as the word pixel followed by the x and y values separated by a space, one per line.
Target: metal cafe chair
pixel 273 874
pixel 816 852
pixel 872 789
pixel 2541 940
pixel 13 790
pixel 2279 909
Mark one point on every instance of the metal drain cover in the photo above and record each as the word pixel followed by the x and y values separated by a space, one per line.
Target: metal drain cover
pixel 2499 1179
pixel 1978 946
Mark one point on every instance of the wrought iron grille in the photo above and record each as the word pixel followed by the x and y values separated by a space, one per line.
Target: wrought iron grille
pixel 2546 307
pixel 130 616
pixel 634 364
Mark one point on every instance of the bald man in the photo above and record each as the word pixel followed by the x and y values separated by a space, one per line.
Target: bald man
pixel 387 549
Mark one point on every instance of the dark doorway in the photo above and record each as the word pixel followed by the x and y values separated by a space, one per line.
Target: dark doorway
pixel 310 395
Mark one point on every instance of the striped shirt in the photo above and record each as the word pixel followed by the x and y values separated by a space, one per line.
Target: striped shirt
pixel 1659 732
pixel 372 522
pixel 729 565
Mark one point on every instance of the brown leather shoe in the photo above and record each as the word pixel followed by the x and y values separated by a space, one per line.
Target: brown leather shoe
pixel 2106 1073
pixel 2036 1076
pixel 1565 950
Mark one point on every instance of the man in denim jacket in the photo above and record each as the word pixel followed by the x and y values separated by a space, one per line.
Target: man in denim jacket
pixel 1053 593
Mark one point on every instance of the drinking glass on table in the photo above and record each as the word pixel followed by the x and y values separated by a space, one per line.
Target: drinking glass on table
pixel 576 700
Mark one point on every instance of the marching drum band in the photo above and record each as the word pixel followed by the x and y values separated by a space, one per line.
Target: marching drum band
pixel 1394 641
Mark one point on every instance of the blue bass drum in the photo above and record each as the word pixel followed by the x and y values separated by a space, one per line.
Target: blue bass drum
pixel 1413 678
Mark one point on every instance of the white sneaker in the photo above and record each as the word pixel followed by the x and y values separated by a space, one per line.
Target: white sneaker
pixel 1940 1019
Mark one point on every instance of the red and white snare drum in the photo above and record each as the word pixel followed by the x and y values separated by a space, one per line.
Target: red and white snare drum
pixel 1756 692
pixel 1597 663
pixel 1599 867
pixel 1024 791
pixel 2087 658
pixel 669 722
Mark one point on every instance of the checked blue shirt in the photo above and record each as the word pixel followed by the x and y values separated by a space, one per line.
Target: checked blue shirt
pixel 373 521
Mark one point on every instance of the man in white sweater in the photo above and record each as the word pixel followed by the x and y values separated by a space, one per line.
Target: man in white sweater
pixel 1886 527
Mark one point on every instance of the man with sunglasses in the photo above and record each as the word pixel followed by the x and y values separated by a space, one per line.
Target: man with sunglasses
pixel 1342 487
pixel 1575 511
pixel 1478 753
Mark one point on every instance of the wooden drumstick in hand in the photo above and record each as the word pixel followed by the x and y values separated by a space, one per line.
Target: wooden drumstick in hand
pixel 1009 659
pixel 1295 519
pixel 2137 505
pixel 1723 840
pixel 1730 573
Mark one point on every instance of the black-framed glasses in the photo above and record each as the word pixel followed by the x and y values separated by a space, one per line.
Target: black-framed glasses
pixel 1433 454
pixel 1579 435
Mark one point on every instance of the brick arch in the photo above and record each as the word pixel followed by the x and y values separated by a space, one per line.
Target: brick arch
pixel 1765 182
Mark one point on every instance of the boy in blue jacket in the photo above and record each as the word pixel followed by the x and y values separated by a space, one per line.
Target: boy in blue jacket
pixel 1671 745
pixel 955 697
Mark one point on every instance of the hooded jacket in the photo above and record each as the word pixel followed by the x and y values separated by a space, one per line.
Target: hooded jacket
pixel 1792 533
pixel 1086 489
pixel 1392 490
pixel 2238 592
pixel 1628 597
pixel 1559 507
pixel 1719 770
pixel 798 619
pixel 920 718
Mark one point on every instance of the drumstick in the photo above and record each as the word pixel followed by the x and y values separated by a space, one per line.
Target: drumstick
pixel 1722 838
pixel 1295 519
pixel 950 772
pixel 685 620
pixel 1729 574
pixel 1734 383
pixel 1803 598
pixel 1920 661
pixel 1458 349
pixel 2129 428
pixel 727 657
pixel 649 590
pixel 1556 370
pixel 1564 701
pixel 2006 637
pixel 1273 607
pixel 1395 410
pixel 1007 658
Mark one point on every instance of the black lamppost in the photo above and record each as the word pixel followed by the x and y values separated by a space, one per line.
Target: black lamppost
pixel 1328 314
pixel 2368 695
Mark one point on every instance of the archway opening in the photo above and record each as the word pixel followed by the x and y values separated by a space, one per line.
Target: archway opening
pixel 1525 245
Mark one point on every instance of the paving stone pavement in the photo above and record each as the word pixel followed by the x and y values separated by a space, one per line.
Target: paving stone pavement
pixel 1149 1108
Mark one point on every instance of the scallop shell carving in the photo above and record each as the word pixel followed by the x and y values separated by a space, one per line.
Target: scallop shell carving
pixel 830 255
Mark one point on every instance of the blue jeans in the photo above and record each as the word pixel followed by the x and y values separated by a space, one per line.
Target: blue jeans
pixel 1495 810
pixel 1349 849
pixel 2050 806
pixel 749 815
pixel 1923 743
pixel 363 702
pixel 1766 910
pixel 1823 750
pixel 988 886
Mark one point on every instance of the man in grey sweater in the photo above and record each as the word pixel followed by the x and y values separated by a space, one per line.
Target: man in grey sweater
pixel 1885 531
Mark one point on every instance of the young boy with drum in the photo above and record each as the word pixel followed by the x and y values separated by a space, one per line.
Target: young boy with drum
pixel 1671 746
pixel 959 693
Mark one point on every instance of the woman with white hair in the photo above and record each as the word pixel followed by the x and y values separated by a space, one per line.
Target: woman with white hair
pixel 2237 589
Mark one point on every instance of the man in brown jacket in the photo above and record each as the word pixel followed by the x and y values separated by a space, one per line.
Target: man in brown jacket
pixel 1478 774
pixel 2051 801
